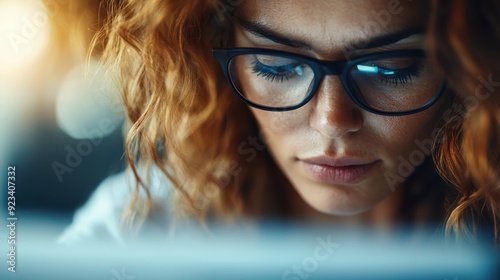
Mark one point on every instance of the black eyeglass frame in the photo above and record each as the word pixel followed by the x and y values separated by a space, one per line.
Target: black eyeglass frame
pixel 321 68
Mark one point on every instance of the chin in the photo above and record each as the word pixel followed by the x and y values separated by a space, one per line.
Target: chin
pixel 340 211
pixel 340 205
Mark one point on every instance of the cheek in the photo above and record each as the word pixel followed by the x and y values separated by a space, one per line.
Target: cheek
pixel 399 136
pixel 278 127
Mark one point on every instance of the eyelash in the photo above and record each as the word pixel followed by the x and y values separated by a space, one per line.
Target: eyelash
pixel 404 76
pixel 261 70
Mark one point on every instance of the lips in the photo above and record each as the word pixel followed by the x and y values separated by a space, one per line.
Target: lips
pixel 341 171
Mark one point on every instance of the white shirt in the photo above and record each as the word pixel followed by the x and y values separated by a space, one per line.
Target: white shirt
pixel 101 216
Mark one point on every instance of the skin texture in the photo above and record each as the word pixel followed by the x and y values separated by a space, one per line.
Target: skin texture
pixel 331 124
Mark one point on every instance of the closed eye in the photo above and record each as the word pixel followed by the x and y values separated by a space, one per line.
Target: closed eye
pixel 399 76
pixel 279 73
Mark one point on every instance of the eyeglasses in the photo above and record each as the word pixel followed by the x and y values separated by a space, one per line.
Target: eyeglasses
pixel 391 83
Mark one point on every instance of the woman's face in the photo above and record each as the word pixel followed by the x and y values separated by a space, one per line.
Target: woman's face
pixel 335 154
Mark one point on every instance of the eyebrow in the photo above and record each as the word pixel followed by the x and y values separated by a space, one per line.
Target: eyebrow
pixel 261 30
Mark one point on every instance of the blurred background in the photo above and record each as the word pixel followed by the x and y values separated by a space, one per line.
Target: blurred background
pixel 60 115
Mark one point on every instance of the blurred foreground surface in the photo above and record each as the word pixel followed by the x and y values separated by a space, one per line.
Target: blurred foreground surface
pixel 268 251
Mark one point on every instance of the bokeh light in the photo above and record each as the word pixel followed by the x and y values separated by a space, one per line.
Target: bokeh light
pixel 24 33
pixel 86 99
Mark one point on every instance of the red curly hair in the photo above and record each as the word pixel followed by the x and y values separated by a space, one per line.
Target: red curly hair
pixel 464 39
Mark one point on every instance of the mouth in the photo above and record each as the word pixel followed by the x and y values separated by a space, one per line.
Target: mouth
pixel 338 171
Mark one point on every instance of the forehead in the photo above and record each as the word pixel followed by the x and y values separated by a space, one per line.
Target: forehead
pixel 330 24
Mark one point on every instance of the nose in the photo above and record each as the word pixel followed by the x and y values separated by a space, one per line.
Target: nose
pixel 334 114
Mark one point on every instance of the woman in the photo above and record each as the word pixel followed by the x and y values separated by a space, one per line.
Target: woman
pixel 321 111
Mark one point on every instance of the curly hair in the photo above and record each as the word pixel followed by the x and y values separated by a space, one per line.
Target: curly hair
pixel 183 119
pixel 464 39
